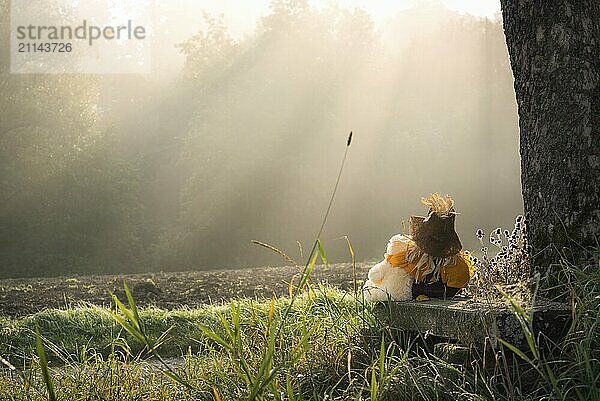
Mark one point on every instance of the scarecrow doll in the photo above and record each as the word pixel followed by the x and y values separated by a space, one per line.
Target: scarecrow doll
pixel 427 263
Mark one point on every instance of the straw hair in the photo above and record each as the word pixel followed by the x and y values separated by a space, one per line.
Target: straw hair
pixel 441 205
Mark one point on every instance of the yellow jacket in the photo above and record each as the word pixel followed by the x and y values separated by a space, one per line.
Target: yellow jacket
pixel 454 271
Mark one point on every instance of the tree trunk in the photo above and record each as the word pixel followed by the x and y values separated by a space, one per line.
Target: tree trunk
pixel 554 48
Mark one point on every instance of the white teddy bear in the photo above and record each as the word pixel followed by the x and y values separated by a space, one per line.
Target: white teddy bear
pixel 387 282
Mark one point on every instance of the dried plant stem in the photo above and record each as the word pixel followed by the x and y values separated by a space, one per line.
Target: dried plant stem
pixel 318 236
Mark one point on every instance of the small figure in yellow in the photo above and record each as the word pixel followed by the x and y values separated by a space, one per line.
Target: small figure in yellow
pixel 428 263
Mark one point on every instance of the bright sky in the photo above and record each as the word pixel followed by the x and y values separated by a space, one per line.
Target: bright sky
pixel 180 19
pixel 381 9
pixel 241 15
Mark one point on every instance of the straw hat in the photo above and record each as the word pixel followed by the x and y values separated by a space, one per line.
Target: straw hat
pixel 435 234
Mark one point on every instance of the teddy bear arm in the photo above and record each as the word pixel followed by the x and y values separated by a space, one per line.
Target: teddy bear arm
pixel 377 273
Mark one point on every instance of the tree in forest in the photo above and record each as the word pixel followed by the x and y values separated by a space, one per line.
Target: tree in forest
pixel 554 49
pixel 68 201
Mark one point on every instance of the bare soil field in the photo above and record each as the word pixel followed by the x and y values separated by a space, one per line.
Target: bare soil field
pixel 19 297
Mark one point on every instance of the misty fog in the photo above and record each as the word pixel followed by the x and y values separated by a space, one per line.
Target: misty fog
pixel 240 138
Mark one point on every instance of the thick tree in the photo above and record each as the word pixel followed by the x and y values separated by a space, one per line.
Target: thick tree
pixel 554 48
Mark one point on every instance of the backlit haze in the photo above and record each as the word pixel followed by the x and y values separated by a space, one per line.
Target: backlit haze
pixel 241 17
pixel 238 132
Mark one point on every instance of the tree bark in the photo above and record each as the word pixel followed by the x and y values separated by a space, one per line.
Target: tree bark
pixel 554 48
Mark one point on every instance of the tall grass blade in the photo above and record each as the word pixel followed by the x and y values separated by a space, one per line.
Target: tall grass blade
pixel 374 386
pixel 382 355
pixel 308 271
pixel 225 324
pixel 276 250
pixel 133 325
pixel 216 393
pixel 322 253
pixel 134 331
pixel 208 332
pixel 44 365
pixel 7 364
pixel 353 256
pixel 525 320
pixel 132 305
pixel 289 388
pixel 518 352
pixel 271 310
pixel 128 314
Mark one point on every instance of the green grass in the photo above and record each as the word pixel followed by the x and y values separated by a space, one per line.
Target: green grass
pixel 329 345
pixel 92 328
pixel 96 353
